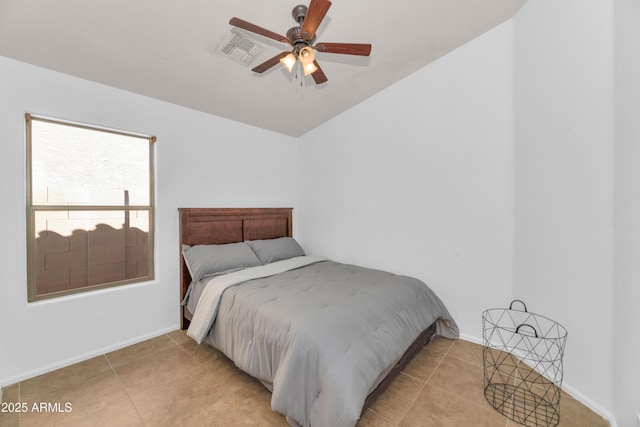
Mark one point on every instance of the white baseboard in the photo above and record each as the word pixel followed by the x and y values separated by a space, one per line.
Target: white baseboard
pixel 565 387
pixel 4 382
pixel 471 338
pixel 590 404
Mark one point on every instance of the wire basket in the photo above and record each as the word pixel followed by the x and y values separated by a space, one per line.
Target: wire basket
pixel 522 359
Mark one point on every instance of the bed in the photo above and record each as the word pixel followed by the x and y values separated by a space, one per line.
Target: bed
pixel 315 332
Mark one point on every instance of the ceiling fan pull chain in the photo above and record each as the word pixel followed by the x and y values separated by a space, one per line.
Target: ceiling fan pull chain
pixel 298 77
pixel 301 90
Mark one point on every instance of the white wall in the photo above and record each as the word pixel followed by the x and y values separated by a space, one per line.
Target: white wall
pixel 626 292
pixel 418 179
pixel 201 160
pixel 564 180
pixel 490 175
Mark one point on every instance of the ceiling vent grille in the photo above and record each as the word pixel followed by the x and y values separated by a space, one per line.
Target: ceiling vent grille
pixel 239 47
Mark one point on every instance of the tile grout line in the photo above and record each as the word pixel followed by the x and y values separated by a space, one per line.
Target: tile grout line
pixel 157 350
pixel 473 402
pixel 444 356
pixel 125 390
pixel 381 416
pixel 424 384
pixel 169 336
pixel 410 404
pixel 413 401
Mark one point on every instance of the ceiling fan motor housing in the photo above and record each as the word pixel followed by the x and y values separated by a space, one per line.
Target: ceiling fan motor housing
pixel 299 12
pixel 296 39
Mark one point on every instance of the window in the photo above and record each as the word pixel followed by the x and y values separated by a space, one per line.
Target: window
pixel 89 208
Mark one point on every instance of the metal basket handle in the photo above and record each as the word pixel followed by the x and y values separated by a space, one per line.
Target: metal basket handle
pixel 526 324
pixel 521 302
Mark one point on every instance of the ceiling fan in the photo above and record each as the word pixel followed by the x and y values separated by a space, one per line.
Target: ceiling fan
pixel 302 38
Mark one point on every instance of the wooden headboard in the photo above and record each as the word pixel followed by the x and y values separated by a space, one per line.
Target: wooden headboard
pixel 208 226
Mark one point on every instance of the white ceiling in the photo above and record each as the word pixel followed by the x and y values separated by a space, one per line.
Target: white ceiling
pixel 167 49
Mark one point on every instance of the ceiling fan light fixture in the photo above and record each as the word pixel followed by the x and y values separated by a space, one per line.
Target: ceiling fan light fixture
pixel 309 68
pixel 288 62
pixel 307 55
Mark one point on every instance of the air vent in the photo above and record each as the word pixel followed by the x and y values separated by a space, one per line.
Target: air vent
pixel 239 47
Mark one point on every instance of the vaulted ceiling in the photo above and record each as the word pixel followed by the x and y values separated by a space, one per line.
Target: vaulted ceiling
pixel 170 50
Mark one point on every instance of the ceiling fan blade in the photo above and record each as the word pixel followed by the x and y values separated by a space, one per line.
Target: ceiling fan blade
pixel 360 49
pixel 270 63
pixel 315 14
pixel 237 22
pixel 318 75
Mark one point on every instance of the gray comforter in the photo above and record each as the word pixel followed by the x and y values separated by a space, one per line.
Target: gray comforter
pixel 324 335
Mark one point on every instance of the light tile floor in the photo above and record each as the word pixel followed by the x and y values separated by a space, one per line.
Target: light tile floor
pixel 172 381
